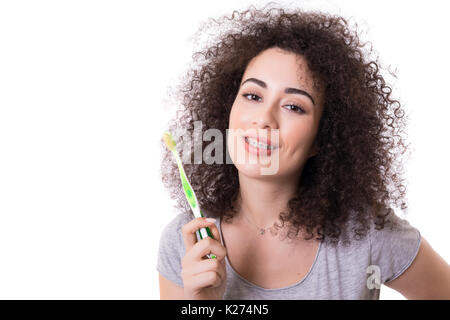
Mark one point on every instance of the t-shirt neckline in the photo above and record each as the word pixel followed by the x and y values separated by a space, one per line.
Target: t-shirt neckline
pixel 235 273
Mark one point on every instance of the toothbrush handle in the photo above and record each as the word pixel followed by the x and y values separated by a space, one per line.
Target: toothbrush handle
pixel 201 234
pixel 208 231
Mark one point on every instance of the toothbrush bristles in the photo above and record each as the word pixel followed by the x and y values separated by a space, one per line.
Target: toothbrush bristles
pixel 168 140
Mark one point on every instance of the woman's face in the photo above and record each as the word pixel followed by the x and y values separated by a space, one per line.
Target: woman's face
pixel 263 108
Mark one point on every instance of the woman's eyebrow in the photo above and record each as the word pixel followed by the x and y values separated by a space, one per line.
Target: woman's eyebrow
pixel 287 90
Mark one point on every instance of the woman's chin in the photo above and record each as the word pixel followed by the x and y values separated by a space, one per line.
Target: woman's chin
pixel 257 170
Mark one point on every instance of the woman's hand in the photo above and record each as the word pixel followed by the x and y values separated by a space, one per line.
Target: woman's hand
pixel 203 278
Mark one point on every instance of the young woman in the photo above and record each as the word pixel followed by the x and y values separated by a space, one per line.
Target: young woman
pixel 321 226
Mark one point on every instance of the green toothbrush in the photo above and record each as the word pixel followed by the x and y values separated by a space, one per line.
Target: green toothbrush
pixel 188 191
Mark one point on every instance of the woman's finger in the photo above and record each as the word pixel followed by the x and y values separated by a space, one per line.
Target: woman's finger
pixel 205 265
pixel 215 232
pixel 204 280
pixel 206 246
pixel 189 229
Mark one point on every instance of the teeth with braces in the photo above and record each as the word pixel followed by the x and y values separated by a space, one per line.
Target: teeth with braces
pixel 258 144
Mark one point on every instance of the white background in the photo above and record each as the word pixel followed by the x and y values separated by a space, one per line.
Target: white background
pixel 83 86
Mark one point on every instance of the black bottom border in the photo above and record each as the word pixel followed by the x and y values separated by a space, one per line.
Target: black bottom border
pixel 217 309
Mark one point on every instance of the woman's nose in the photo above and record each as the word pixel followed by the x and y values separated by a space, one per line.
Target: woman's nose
pixel 266 118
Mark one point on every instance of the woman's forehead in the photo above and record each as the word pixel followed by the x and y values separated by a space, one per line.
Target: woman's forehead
pixel 280 66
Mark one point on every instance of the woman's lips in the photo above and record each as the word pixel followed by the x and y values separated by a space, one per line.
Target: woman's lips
pixel 255 150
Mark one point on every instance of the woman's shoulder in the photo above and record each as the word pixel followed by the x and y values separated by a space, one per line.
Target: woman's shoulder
pixel 374 234
pixel 171 248
pixel 171 235
pixel 395 246
pixel 394 225
pixel 171 239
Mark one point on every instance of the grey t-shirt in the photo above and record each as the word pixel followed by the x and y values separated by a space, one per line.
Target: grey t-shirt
pixel 347 271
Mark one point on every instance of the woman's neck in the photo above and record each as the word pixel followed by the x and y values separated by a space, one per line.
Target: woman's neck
pixel 263 200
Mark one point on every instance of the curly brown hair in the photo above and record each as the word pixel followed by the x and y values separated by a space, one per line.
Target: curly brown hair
pixel 361 133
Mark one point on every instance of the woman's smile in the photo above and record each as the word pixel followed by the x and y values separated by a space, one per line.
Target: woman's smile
pixel 258 145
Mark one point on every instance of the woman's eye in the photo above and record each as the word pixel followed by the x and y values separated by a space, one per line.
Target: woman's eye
pixel 252 95
pixel 293 107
